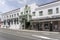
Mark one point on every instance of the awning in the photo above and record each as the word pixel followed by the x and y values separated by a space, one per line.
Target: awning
pixel 46 19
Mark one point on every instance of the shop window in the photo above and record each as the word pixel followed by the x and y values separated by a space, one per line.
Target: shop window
pixel 4 22
pixel 12 15
pixel 46 26
pixel 11 21
pixel 7 16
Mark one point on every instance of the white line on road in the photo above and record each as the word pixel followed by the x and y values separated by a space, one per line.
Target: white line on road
pixel 44 37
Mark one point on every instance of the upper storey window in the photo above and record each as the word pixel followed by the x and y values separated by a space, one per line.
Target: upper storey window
pixel 26 11
pixel 50 11
pixel 40 13
pixel 10 15
pixel 21 13
pixel 17 14
pixel 34 13
pixel 57 10
pixel 7 16
pixel 14 14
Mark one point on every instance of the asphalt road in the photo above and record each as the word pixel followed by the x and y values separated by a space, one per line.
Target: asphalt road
pixel 16 35
pixel 4 36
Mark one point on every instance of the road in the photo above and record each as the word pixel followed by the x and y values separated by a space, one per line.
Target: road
pixel 4 36
pixel 21 35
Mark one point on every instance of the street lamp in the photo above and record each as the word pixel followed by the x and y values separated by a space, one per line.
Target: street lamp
pixel 51 22
pixel 51 26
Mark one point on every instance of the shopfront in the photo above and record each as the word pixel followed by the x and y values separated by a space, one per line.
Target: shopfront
pixel 52 24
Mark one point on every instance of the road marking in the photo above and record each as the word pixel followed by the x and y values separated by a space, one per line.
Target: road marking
pixel 44 37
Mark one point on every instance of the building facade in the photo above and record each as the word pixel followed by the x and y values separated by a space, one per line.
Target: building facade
pixel 10 19
pixel 35 17
pixel 47 17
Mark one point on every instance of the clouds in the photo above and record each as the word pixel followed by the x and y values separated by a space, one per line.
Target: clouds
pixel 7 5
pixel 22 1
pixel 3 6
pixel 2 2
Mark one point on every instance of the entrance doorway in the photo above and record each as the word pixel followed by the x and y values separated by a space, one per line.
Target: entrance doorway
pixel 46 26
pixel 55 27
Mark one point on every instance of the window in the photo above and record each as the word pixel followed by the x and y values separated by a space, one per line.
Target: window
pixel 10 15
pixel 40 13
pixel 17 14
pixel 33 13
pixel 4 22
pixel 50 11
pixel 26 11
pixel 21 13
pixel 14 14
pixel 7 16
pixel 57 10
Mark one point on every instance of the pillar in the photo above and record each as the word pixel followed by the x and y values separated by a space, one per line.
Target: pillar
pixel 43 26
pixel 31 25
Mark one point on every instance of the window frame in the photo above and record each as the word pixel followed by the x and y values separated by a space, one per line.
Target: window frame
pixel 50 11
pixel 57 10
pixel 40 13
pixel 34 13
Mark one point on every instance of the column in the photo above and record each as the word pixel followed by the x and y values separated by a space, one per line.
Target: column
pixel 43 26
pixel 31 25
pixel 6 23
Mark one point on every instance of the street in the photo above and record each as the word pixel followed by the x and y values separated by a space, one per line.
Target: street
pixel 5 34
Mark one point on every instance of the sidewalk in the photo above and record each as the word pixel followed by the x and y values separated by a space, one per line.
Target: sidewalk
pixel 39 31
pixel 31 31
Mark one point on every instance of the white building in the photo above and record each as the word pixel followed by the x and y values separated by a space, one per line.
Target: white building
pixel 10 19
pixel 47 17
pixel 43 17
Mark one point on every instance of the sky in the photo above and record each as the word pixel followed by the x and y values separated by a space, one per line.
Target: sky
pixel 8 5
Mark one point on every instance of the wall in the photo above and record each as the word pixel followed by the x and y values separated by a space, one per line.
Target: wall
pixel 45 8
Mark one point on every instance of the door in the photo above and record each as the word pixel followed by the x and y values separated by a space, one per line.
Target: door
pixel 46 26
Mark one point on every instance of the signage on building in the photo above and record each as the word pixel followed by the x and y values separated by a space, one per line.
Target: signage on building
pixel 57 16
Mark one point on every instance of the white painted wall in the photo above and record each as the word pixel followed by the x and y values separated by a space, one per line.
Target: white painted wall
pixel 45 10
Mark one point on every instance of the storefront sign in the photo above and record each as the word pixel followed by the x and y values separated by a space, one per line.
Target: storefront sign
pixel 45 17
pixel 57 16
